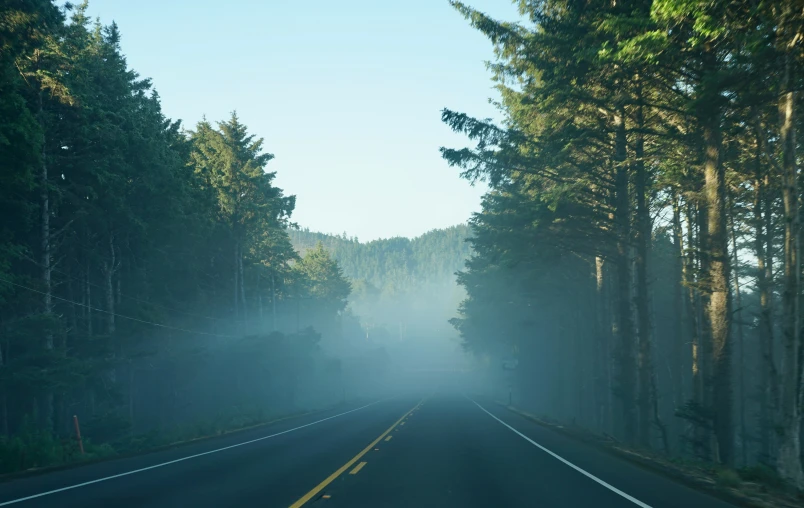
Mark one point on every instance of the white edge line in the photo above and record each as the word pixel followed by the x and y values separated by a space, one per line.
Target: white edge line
pixel 565 461
pixel 84 484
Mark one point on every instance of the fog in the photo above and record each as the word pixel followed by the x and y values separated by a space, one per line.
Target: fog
pixel 411 331
pixel 633 270
pixel 297 354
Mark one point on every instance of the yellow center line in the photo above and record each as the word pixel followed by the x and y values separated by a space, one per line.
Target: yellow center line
pixel 357 468
pixel 321 486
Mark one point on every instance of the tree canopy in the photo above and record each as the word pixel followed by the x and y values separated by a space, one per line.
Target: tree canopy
pixel 644 184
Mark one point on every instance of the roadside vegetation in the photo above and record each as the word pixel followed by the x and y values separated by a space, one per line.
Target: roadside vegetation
pixel 638 253
pixel 148 281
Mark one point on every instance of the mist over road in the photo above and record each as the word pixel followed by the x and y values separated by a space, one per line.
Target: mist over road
pixel 418 450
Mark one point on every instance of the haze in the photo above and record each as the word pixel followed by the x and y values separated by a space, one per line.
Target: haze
pixel 360 254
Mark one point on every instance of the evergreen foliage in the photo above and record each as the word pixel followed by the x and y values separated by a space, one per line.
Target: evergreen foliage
pixel 638 251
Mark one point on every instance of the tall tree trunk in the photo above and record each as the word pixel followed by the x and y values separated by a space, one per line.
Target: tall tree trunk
pixel 259 300
pixel 44 211
pixel 46 401
pixel 627 362
pixel 88 289
pixel 273 302
pixel 768 376
pixel 242 284
pixel 236 274
pixel 657 419
pixel 701 350
pixel 719 308
pixel 603 353
pixel 643 297
pixel 690 280
pixel 109 269
pixel 740 336
pixel 770 238
pixel 789 456
pixel 707 437
pixel 82 286
pixel 678 306
pixel 677 348
pixel 73 330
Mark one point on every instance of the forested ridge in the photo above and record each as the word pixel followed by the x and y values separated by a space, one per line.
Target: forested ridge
pixel 396 264
pixel 638 252
pixel 147 279
pixel 404 291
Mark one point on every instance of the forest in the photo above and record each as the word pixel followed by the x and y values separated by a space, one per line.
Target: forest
pixel 152 282
pixel 634 269
pixel 393 265
pixel 148 281
pixel 637 256
pixel 404 290
pixel 134 253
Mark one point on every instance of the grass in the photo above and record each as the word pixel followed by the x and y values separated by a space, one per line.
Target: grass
pixel 34 450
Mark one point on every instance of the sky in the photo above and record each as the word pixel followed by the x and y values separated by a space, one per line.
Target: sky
pixel 347 95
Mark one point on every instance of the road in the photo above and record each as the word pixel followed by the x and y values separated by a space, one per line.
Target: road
pixel 440 450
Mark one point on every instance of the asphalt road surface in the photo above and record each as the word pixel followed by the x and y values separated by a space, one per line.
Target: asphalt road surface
pixel 441 450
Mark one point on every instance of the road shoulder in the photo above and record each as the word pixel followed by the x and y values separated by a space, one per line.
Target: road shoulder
pixel 698 478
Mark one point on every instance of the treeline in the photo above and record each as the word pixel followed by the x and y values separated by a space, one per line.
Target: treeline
pixel 639 249
pixel 135 255
pixel 403 290
pixel 393 265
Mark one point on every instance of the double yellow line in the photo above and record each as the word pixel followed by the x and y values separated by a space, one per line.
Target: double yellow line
pixel 321 486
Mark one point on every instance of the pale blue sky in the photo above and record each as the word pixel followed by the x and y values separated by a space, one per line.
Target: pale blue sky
pixel 346 93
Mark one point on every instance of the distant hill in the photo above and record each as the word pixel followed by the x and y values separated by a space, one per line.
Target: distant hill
pixel 401 288
pixel 394 265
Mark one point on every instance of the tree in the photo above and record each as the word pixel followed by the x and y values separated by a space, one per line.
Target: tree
pixel 232 164
pixel 321 279
pixel 789 30
pixel 110 258
pixel 625 121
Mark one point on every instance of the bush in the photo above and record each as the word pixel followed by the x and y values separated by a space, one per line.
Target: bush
pixel 763 475
pixel 727 478
pixel 98 451
pixel 31 448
